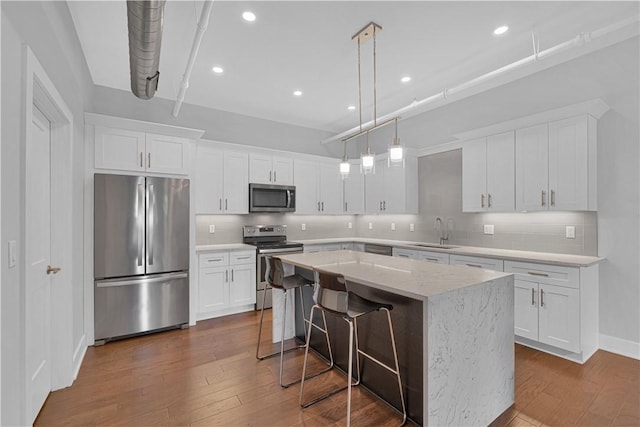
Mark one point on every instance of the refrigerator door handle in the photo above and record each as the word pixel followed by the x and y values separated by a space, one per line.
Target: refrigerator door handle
pixel 150 219
pixel 140 222
pixel 117 282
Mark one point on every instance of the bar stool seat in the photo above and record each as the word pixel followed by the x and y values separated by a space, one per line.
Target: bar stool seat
pixel 275 278
pixel 333 297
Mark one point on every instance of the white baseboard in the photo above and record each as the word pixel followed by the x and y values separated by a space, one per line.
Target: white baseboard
pixel 78 356
pixel 620 346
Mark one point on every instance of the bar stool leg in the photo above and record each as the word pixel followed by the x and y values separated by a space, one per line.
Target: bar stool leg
pixel 355 331
pixel 395 358
pixel 264 300
pixel 349 372
pixel 284 322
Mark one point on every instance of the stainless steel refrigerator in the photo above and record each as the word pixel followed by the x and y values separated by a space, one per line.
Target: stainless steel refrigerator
pixel 141 254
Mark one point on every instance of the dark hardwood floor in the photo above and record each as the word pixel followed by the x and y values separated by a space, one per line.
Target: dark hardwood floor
pixel 207 375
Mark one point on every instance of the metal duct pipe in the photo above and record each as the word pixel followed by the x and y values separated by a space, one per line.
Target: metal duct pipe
pixel 145 37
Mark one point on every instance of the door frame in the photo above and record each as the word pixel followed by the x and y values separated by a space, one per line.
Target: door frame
pixel 40 91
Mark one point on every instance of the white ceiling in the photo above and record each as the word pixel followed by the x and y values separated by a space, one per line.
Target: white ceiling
pixel 307 45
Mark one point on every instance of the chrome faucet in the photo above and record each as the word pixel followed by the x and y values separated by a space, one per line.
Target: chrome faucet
pixel 443 230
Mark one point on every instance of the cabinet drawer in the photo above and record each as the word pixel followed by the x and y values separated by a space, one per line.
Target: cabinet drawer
pixel 332 247
pixel 405 253
pixel 438 257
pixel 478 262
pixel 213 259
pixel 543 273
pixel 242 257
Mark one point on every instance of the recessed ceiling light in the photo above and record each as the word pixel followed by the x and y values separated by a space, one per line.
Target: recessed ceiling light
pixel 351 107
pixel 249 16
pixel 297 92
pixel 217 70
pixel 501 30
pixel 405 79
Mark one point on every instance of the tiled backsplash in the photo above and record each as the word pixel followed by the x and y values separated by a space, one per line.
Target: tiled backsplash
pixel 440 193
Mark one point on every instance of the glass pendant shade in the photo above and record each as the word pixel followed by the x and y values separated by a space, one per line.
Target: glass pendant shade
pixel 396 153
pixel 345 168
pixel 368 161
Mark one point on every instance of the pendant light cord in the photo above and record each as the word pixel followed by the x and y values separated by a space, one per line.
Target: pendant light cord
pixel 375 103
pixel 359 87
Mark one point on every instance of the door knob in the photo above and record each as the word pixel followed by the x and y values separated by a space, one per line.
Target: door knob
pixel 53 270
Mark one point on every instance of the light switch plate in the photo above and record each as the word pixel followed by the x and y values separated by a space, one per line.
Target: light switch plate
pixel 12 253
pixel 393 226
pixel 412 227
pixel 570 231
pixel 212 228
pixel 370 226
pixel 303 227
pixel 350 225
pixel 488 229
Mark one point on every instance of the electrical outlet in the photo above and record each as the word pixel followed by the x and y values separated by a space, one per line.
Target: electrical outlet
pixel 350 225
pixel 393 226
pixel 570 231
pixel 412 227
pixel 212 228
pixel 303 227
pixel 370 226
pixel 488 229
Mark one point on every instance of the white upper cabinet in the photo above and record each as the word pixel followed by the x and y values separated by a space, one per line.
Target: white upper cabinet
pixel 266 169
pixel 392 190
pixel 129 150
pixel 221 183
pixel 488 170
pixel 353 191
pixel 318 187
pixel 556 166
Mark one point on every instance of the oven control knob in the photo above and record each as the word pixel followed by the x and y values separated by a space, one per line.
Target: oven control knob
pixel 251 230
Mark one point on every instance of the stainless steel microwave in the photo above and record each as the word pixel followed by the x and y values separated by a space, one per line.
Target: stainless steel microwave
pixel 272 198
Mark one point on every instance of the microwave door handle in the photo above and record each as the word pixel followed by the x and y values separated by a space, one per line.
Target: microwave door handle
pixel 288 198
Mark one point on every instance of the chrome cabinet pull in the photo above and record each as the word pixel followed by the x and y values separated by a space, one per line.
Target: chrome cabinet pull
pixel 220 203
pixel 275 178
pixel 149 162
pixel 489 200
pixel 322 203
pixel 541 298
pixel 542 198
pixel 533 273
pixel 474 265
pixel 533 296
pixel 243 257
pixel 270 176
pixel 384 205
pixel 226 275
pixel 141 159
pixel 232 275
pixel 318 206
pixel 345 207
pixel 53 270
pixel 553 198
pixel 214 260
pixel 482 200
pixel 226 207
pixel 432 259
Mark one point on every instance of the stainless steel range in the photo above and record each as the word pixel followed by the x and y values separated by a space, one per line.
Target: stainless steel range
pixel 269 240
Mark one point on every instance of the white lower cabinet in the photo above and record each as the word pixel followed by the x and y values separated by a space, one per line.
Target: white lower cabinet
pixel 404 253
pixel 477 262
pixel 323 248
pixel 556 307
pixel 438 257
pixel 226 283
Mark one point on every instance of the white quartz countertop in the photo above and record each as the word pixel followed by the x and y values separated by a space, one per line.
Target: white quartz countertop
pixel 505 254
pixel 407 277
pixel 225 247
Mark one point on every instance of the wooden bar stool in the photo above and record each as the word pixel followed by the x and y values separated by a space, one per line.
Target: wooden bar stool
pixel 275 278
pixel 332 296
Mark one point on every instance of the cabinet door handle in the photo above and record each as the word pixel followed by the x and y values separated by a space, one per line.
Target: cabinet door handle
pixel 384 205
pixel 553 198
pixel 489 200
pixel 226 204
pixel 232 275
pixel 243 257
pixel 541 298
pixel 275 177
pixel 403 255
pixel 482 200
pixel 345 207
pixel 322 206
pixel 432 259
pixel 318 206
pixel 534 273
pixel 474 265
pixel 214 260
pixel 270 176
pixel 226 275
pixel 533 296
pixel 543 196
pixel 220 203
pixel 149 162
pixel 141 159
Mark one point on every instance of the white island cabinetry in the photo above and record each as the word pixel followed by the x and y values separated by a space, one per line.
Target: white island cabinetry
pixel 226 282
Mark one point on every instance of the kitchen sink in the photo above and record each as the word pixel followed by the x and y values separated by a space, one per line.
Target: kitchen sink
pixel 433 245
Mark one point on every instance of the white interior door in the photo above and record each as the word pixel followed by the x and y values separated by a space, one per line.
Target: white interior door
pixel 38 255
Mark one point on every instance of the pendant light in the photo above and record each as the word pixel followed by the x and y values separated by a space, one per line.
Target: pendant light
pixel 345 166
pixel 396 151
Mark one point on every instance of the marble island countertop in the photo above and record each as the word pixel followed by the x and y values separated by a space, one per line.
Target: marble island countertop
pixel 504 254
pixel 407 277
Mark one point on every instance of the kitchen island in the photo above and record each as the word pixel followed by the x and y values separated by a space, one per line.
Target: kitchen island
pixel 453 327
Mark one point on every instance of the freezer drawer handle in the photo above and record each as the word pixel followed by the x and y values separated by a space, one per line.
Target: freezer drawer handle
pixel 111 284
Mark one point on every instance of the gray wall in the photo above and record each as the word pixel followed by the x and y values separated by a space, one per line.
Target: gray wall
pixel 44 26
pixel 218 125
